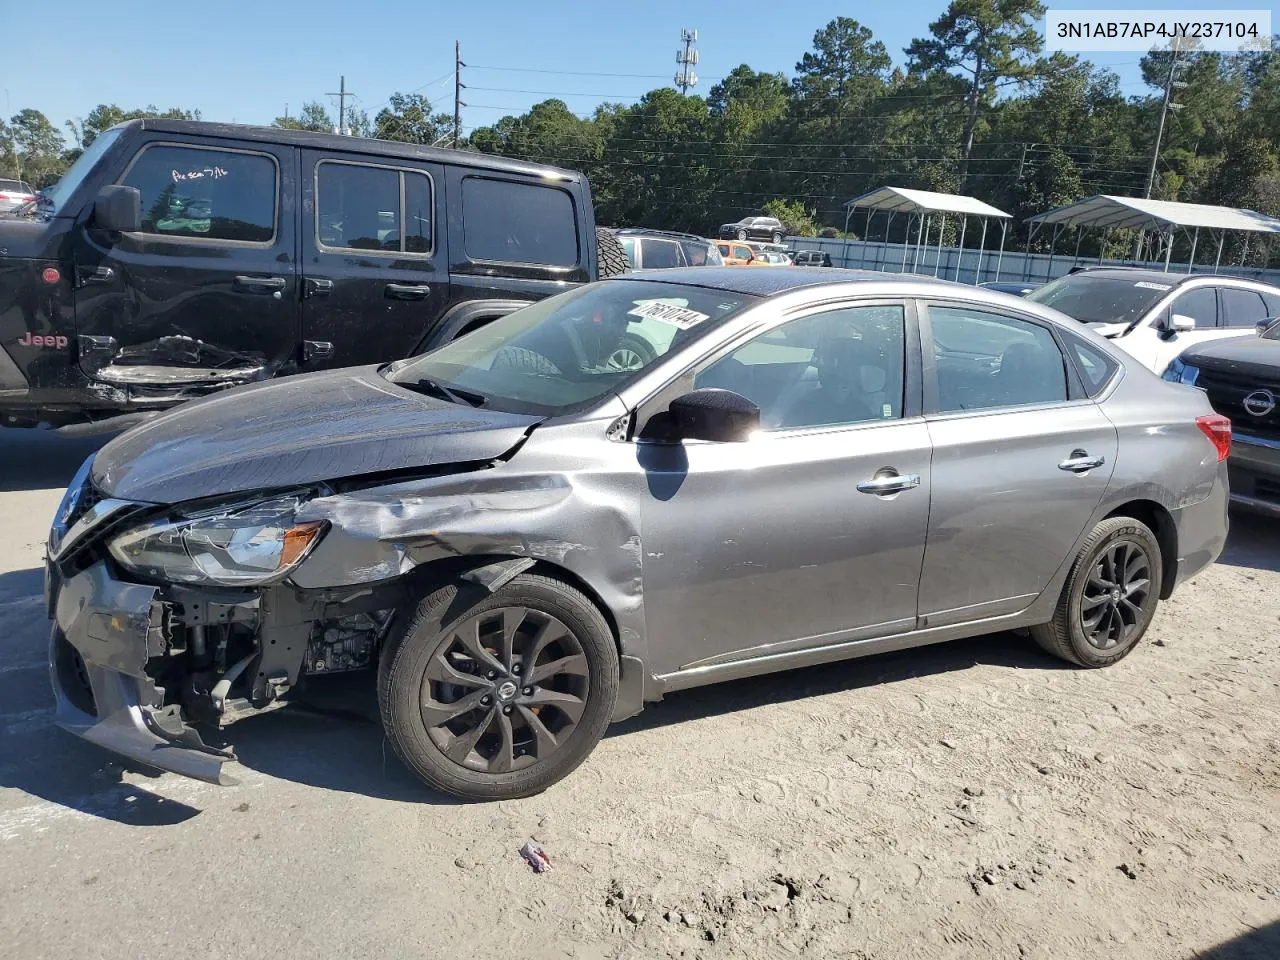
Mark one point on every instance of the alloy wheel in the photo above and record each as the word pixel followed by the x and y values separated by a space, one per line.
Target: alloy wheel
pixel 1112 608
pixel 624 358
pixel 505 689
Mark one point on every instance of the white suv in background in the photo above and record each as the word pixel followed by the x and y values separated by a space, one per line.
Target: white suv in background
pixel 1154 316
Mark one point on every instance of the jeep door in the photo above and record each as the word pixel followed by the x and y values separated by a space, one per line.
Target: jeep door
pixel 372 280
pixel 205 293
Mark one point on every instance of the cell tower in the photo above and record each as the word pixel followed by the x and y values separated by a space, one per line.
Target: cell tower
pixel 685 77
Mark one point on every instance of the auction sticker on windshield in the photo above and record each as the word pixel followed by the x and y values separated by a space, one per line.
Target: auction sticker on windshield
pixel 1148 285
pixel 674 314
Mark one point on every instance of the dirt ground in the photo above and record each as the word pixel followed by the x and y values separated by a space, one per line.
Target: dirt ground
pixel 975 799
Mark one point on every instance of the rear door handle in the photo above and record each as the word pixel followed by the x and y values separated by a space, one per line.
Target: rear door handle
pixel 1081 462
pixel 260 284
pixel 316 287
pixel 894 483
pixel 407 291
pixel 97 275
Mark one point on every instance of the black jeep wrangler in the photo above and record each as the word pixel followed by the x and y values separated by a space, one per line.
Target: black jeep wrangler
pixel 177 258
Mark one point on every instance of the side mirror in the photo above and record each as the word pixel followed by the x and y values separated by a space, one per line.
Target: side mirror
pixel 713 414
pixel 118 209
pixel 1181 323
pixel 1265 326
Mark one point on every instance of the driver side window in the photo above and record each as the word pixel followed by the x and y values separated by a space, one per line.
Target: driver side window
pixel 837 367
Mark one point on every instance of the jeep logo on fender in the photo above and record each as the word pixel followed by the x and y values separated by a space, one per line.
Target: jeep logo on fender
pixel 32 340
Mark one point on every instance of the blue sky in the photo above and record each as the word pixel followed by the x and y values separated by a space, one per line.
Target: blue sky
pixel 244 62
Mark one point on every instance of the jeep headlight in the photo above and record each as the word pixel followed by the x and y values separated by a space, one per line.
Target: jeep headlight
pixel 244 544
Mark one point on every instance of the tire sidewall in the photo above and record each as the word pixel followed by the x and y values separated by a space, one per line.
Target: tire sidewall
pixel 1133 531
pixel 405 663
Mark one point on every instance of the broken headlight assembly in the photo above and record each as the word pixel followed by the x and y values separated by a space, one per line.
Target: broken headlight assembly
pixel 238 545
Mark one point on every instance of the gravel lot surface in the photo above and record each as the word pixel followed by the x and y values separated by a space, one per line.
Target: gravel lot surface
pixel 975 799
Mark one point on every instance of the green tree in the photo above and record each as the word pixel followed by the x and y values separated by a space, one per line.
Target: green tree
pixel 793 216
pixel 106 115
pixel 987 42
pixel 34 148
pixel 408 117
pixel 846 68
pixel 313 116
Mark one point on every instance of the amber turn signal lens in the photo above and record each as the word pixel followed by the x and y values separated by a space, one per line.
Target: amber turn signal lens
pixel 296 541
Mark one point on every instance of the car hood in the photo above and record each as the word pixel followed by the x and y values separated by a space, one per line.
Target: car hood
pixel 1249 355
pixel 298 430
pixel 22 238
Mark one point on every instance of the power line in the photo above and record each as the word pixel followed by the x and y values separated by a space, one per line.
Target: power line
pixel 584 73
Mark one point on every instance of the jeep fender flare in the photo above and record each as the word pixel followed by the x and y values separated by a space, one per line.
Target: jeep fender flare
pixel 464 316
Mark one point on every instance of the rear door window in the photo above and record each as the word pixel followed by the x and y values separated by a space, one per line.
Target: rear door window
pixel 984 360
pixel 372 208
pixel 509 222
pixel 1242 308
pixel 201 193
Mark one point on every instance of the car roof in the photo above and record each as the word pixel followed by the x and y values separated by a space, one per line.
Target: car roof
pixel 663 234
pixel 358 145
pixel 1156 276
pixel 767 283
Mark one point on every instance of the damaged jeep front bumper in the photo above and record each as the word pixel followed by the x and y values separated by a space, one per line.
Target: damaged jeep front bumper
pixel 104 633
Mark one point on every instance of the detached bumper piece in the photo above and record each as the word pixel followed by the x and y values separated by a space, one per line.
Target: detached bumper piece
pixel 104 634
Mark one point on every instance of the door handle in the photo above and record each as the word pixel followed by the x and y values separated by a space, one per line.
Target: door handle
pixel 97 275
pixel 317 350
pixel 260 284
pixel 1081 462
pixel 407 291
pixel 316 287
pixel 893 483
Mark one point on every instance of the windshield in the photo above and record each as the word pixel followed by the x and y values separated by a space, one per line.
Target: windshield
pixel 572 349
pixel 52 199
pixel 1093 299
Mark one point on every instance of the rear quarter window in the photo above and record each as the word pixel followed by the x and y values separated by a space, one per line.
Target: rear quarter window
pixel 511 222
pixel 1095 368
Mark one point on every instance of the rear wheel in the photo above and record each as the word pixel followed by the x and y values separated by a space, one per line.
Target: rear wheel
pixel 1109 598
pixel 497 696
pixel 742 234
pixel 777 238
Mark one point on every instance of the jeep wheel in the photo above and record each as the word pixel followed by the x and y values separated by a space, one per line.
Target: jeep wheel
pixel 611 258
pixel 497 696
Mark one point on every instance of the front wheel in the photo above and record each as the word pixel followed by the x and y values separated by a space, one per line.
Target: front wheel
pixel 1109 598
pixel 498 696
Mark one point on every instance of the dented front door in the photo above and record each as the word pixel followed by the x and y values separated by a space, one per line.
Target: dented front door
pixel 205 295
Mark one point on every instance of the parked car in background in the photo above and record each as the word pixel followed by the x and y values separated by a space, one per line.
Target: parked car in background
pixel 172 261
pixel 1154 316
pixel 660 249
pixel 1241 377
pixel 754 228
pixel 15 194
pixel 773 258
pixel 522 544
pixel 735 254
pixel 1017 288
pixel 811 258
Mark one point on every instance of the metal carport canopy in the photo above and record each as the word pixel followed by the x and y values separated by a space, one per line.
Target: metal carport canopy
pixel 1134 213
pixel 905 200
pixel 921 206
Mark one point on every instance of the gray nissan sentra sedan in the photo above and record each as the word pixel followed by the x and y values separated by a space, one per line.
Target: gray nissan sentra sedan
pixel 528 533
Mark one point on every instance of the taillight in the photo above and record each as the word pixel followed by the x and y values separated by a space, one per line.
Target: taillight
pixel 1218 429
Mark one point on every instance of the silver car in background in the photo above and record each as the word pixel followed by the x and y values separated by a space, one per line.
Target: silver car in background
pixel 525 541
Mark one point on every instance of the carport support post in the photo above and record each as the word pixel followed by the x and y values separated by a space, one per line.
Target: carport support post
pixel 942 226
pixel 1244 254
pixel 1004 229
pixel 906 243
pixel 1222 235
pixel 1075 259
pixel 848 212
pixel 1195 238
pixel 1102 247
pixel 866 237
pixel 977 278
pixel 964 225
pixel 1026 254
pixel 1053 250
pixel 1168 254
pixel 924 225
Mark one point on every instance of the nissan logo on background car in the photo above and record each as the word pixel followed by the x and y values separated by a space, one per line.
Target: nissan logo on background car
pixel 1259 403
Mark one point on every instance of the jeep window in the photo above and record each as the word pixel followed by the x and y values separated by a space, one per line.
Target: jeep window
pixel 1100 299
pixel 208 194
pixel 560 354
pixel 366 207
pixel 53 199
pixel 511 222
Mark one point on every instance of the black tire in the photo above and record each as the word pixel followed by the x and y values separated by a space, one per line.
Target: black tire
pixel 742 234
pixel 777 238
pixel 1069 635
pixel 611 258
pixel 634 345
pixel 429 639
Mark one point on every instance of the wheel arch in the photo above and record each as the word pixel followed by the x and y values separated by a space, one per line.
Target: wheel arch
pixel 1159 520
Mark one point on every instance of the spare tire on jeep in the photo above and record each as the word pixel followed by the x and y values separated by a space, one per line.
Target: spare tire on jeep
pixel 611 259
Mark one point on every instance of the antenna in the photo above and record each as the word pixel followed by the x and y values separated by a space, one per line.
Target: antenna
pixel 687 58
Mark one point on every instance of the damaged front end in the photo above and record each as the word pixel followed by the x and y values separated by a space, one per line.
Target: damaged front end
pixel 168 623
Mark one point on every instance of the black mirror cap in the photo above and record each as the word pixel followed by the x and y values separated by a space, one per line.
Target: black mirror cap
pixel 713 414
pixel 118 209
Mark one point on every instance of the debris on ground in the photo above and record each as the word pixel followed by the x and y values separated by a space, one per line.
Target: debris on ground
pixel 535 856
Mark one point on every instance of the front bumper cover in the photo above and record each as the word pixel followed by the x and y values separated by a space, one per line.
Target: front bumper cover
pixel 114 628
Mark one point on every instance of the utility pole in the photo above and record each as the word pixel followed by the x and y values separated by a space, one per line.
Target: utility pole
pixel 687 58
pixel 342 95
pixel 1165 107
pixel 457 93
